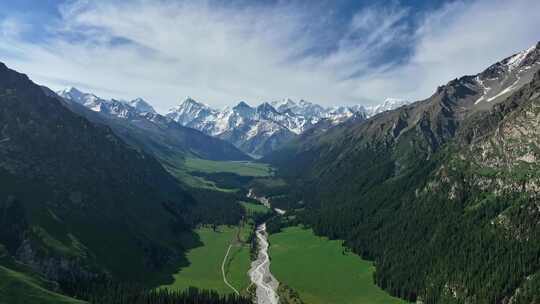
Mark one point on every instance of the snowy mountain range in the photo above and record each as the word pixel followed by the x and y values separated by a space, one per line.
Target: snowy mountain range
pixel 260 130
pixel 119 108
pixel 254 130
pixel 140 125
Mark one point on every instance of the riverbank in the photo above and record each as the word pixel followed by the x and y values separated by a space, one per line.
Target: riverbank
pixel 266 284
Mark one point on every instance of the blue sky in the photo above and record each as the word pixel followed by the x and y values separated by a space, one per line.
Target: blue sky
pixel 220 52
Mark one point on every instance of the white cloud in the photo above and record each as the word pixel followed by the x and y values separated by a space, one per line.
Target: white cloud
pixel 462 38
pixel 224 53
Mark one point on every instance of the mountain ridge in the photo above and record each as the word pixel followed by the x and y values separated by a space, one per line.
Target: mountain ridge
pixel 262 129
pixel 436 191
pixel 144 128
pixel 75 190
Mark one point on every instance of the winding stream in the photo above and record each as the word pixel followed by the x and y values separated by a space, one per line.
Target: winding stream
pixel 260 271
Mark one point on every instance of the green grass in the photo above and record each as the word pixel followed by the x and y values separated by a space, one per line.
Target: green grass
pixel 183 169
pixel 244 168
pixel 319 271
pixel 253 208
pixel 19 288
pixel 205 261
pixel 195 181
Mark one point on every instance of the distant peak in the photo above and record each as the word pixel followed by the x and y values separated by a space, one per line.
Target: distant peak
pixel 190 102
pixel 266 106
pixel 288 100
pixel 387 105
pixel 142 105
pixel 242 104
pixel 72 90
pixel 76 95
pixel 188 99
pixel 391 100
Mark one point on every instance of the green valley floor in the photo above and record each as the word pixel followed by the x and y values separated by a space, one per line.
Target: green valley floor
pixel 321 271
pixel 205 261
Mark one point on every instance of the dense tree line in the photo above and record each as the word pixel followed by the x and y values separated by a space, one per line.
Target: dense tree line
pixel 103 290
pixel 426 245
pixel 444 203
pixel 433 248
pixel 213 207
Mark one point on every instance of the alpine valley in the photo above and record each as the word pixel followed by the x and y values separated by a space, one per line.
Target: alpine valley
pixel 107 201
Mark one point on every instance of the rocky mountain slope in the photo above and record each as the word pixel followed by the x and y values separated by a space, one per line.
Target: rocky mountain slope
pixel 76 201
pixel 137 123
pixel 442 193
pixel 262 129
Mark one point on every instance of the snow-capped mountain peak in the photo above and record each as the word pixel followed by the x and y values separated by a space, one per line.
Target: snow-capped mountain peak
pixel 244 110
pixel 283 104
pixel 188 105
pixel 387 105
pixel 499 80
pixel 189 110
pixel 142 106
pixel 517 59
pixel 88 100
pixel 267 108
pixel 302 107
pixel 242 105
pixel 118 108
pixel 73 92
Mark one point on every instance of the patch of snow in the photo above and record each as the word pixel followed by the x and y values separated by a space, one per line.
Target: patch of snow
pixel 505 91
pixel 485 89
pixel 516 60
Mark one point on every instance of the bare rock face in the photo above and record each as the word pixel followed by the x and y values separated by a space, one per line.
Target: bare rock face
pixel 499 156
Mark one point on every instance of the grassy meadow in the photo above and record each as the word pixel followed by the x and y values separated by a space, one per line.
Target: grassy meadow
pixel 187 171
pixel 205 261
pixel 243 168
pixel 321 271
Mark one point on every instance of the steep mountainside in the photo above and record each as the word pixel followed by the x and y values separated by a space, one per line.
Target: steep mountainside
pixel 75 200
pixel 442 193
pixel 19 285
pixel 138 124
pixel 262 129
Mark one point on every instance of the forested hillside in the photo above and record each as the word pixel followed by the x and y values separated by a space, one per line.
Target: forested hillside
pixel 73 190
pixel 442 194
pixel 80 206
